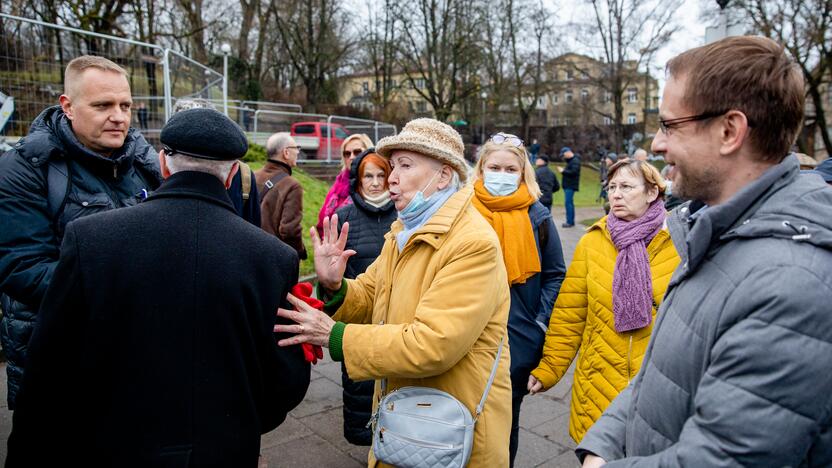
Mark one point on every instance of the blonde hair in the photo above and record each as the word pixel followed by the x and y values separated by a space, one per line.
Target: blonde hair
pixel 76 67
pixel 529 177
pixel 651 175
pixel 363 138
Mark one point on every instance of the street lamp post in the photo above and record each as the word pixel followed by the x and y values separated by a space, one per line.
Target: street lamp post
pixel 484 96
pixel 226 49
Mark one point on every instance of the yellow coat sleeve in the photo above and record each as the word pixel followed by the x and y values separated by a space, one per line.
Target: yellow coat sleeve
pixel 566 327
pixel 450 316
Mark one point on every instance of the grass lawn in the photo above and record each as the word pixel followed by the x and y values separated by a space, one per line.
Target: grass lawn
pixel 314 192
pixel 588 193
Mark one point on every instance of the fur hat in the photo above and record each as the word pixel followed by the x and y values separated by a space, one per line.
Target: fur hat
pixel 430 138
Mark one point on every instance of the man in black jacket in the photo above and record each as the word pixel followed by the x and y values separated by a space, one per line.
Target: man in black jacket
pixel 571 183
pixel 79 158
pixel 167 310
pixel 546 179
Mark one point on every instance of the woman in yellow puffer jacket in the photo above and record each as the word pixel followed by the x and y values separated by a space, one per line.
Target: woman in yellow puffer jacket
pixel 608 301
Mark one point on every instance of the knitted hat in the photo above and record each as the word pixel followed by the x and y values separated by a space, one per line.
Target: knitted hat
pixel 430 138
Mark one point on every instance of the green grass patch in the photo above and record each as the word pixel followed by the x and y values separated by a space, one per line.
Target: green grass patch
pixel 589 191
pixel 314 193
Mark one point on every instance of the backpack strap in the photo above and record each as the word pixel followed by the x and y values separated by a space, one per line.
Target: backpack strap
pixel 271 183
pixel 245 174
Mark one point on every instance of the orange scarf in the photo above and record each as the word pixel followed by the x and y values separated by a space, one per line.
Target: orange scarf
pixel 509 216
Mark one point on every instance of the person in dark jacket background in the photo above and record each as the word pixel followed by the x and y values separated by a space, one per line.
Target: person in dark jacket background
pixel 370 216
pixel 167 310
pixel 547 181
pixel 506 194
pixel 78 159
pixel 571 183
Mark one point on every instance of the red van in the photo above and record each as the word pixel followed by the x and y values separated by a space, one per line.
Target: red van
pixel 315 139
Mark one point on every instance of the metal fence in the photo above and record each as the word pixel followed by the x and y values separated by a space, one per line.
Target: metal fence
pixel 34 54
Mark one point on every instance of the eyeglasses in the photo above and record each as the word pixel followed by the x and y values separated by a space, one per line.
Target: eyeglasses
pixel 294 147
pixel 501 138
pixel 623 188
pixel 667 125
pixel 354 152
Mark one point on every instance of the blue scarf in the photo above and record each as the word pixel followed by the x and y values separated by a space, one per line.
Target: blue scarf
pixel 413 221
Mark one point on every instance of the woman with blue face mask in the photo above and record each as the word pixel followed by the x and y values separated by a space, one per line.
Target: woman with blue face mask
pixel 506 194
pixel 432 309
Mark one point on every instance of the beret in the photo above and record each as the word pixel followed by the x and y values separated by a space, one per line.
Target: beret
pixel 205 134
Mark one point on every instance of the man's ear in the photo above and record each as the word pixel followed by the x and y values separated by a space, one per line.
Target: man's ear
pixel 163 164
pixel 733 132
pixel 231 174
pixel 66 105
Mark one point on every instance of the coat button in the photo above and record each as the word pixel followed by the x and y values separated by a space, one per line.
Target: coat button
pixel 85 203
pixel 34 160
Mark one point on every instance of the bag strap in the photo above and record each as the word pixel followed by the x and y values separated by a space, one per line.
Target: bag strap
pixel 245 175
pixel 270 184
pixel 487 386
pixel 57 186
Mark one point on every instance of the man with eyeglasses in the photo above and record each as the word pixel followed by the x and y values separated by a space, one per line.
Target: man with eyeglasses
pixel 737 370
pixel 281 195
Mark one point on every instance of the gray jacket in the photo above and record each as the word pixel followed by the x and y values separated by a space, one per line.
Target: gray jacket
pixel 737 370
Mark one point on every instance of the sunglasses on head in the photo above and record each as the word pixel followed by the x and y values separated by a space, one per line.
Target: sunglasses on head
pixel 501 138
pixel 354 152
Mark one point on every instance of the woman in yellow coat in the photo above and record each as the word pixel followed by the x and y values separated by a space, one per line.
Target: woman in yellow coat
pixel 432 309
pixel 608 301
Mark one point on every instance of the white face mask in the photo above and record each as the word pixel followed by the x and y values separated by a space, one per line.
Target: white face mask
pixel 501 184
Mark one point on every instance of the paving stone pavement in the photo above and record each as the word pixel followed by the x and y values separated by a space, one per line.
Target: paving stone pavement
pixel 312 435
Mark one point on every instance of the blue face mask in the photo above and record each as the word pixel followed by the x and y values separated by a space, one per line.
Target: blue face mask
pixel 501 184
pixel 419 200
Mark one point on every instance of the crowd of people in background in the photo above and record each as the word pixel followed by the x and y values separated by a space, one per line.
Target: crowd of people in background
pixel 152 314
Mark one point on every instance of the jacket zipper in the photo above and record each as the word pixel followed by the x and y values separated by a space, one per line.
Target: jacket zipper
pixel 629 351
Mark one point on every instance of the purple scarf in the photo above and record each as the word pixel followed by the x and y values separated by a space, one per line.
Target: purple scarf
pixel 632 283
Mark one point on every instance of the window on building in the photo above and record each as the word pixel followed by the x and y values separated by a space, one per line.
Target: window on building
pixel 568 95
pixel 584 94
pixel 607 120
pixel 555 99
pixel 631 118
pixel 567 121
pixel 569 75
pixel 420 83
pixel 607 96
pixel 421 106
pixel 366 87
pixel 632 95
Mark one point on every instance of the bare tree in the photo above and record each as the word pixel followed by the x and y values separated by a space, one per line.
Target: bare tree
pixel 438 48
pixel 313 33
pixel 380 52
pixel 804 27
pixel 627 32
pixel 527 68
pixel 495 57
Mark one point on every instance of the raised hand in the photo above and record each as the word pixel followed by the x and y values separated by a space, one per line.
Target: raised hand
pixel 330 256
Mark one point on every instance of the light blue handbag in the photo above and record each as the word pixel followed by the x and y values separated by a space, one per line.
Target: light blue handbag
pixel 422 427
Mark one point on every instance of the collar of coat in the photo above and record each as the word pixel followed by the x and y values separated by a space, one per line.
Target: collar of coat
pixel 434 230
pixel 279 165
pixel 770 206
pixel 195 185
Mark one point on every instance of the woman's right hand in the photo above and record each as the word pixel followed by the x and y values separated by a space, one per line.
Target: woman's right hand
pixel 330 256
pixel 534 386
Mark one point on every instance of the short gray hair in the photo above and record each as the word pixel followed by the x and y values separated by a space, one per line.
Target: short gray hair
pixel 640 152
pixel 179 163
pixel 195 103
pixel 276 143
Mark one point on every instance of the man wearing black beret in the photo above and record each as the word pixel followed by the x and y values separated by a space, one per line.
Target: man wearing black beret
pixel 154 345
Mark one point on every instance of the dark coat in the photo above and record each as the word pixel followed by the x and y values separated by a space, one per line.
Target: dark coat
pixel 154 344
pixel 737 369
pixel 532 301
pixel 30 237
pixel 247 208
pixel 548 182
pixel 368 225
pixel 571 175
pixel 281 207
